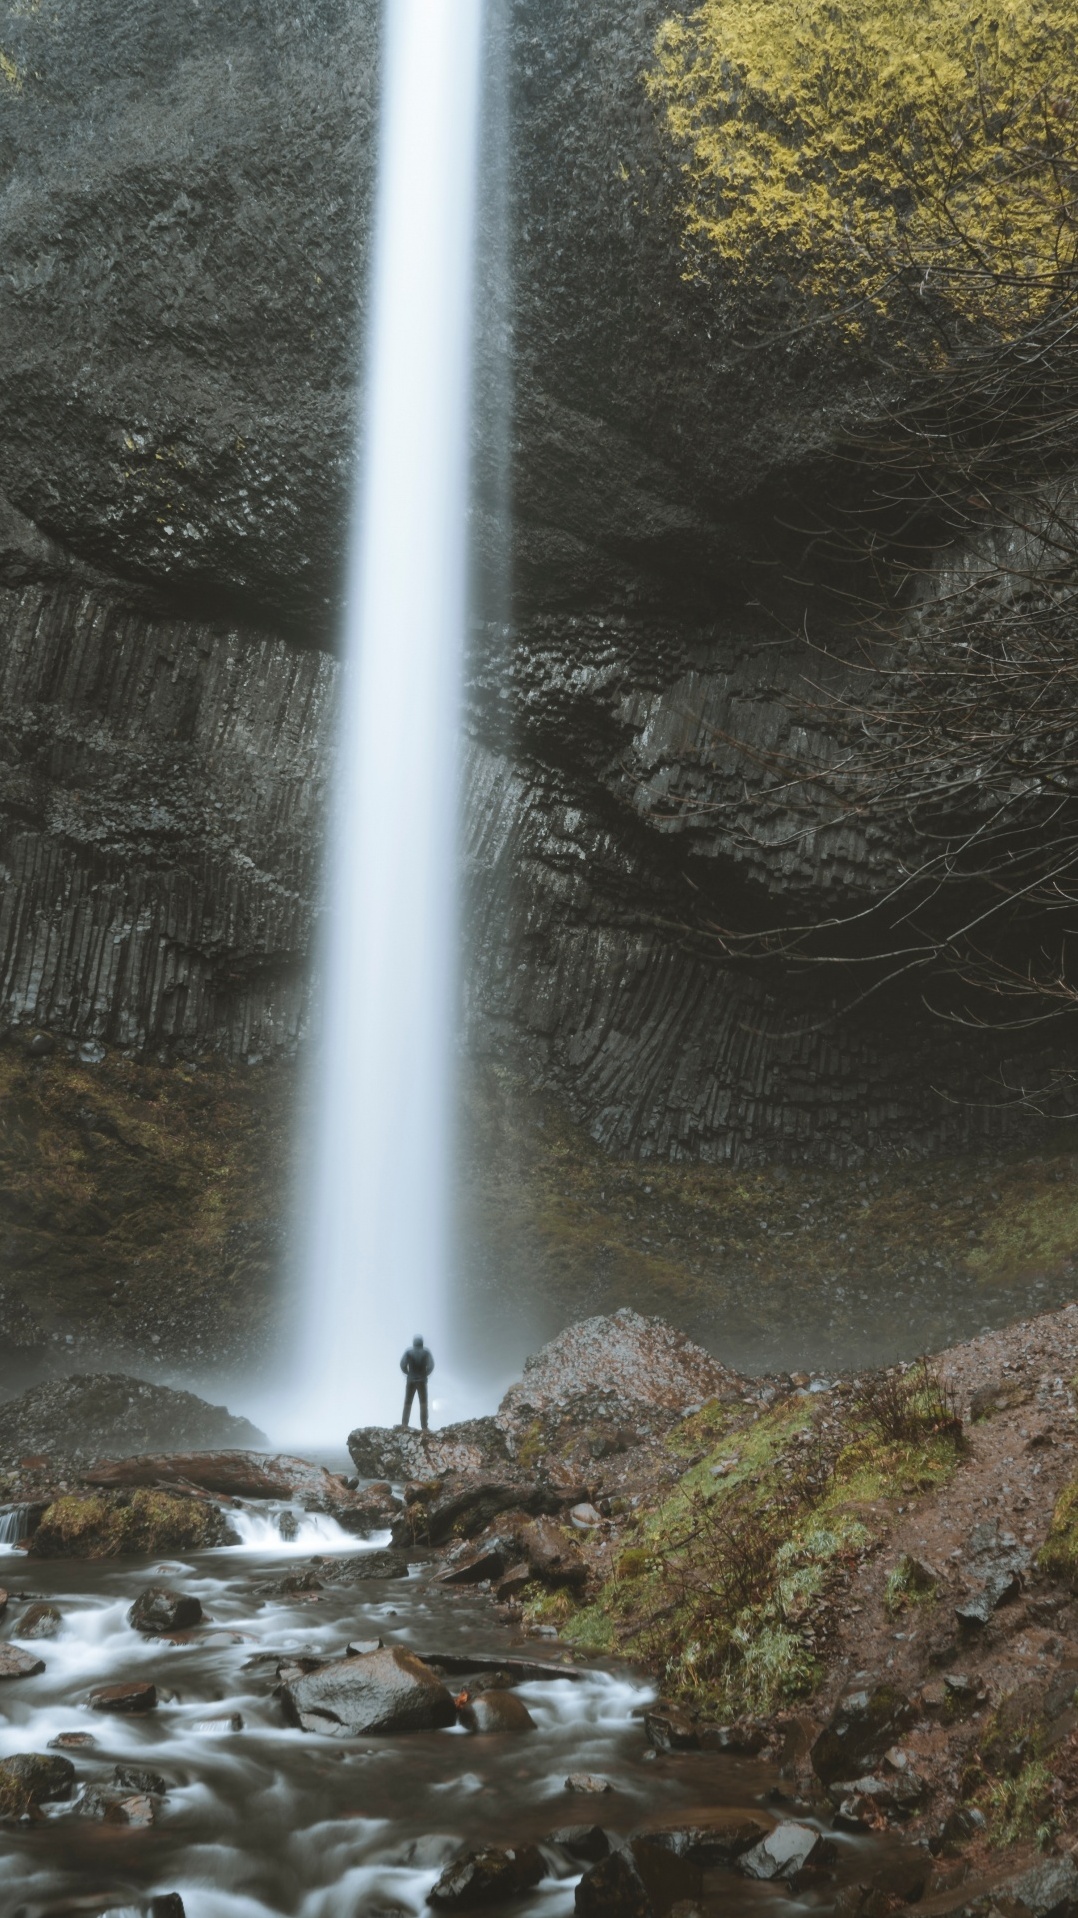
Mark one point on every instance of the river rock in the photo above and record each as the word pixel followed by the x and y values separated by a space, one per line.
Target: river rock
pixel 131 1698
pixel 552 1554
pixel 589 1784
pixel 384 1691
pixel 117 1524
pixel 72 1742
pixel 169 1905
pixel 32 1778
pixel 485 1562
pixel 1048 1889
pixel 111 1806
pixel 725 1837
pixel 140 1779
pixel 158 1610
pixel 496 1711
pixel 614 1888
pixel 487 1876
pixel 476 1447
pixel 39 1621
pixel 588 1843
pixel 786 1853
pixel 17 1664
pixel 862 1726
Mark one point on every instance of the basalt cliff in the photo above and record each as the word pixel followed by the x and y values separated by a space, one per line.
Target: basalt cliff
pixel 185 200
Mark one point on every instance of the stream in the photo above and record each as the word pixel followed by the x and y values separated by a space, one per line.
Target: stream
pixel 262 1819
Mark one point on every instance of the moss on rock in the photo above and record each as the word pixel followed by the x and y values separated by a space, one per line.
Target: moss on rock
pixel 1059 1554
pixel 120 1524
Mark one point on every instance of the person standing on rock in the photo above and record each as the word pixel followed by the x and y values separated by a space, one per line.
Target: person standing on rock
pixel 417 1365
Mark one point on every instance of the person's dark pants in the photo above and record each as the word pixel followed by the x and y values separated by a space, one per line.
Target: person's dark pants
pixel 414 1386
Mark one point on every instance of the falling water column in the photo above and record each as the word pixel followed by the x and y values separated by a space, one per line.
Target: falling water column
pixel 377 1252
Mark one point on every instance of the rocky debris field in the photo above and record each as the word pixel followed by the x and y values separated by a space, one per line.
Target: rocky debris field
pixel 871 1581
pixel 89 1414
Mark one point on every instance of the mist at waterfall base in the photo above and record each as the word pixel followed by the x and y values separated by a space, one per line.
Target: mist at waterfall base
pixel 375 1245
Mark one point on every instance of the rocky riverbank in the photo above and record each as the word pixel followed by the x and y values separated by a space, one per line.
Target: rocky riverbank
pixel 865 1583
pixel 869 1581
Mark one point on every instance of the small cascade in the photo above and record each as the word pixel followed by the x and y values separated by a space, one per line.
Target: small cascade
pixel 376 1266
pixel 285 1530
pixel 14 1526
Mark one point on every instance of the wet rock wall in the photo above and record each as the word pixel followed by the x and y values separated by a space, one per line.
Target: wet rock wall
pixel 161 787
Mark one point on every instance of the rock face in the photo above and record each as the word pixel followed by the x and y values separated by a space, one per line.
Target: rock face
pixel 177 406
pixel 390 1690
pixel 92 1413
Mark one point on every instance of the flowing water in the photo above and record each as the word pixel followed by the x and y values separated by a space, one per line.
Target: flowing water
pixel 375 1271
pixel 267 1819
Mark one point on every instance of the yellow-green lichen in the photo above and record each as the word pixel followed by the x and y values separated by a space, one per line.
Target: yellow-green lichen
pixel 1059 1554
pixel 866 145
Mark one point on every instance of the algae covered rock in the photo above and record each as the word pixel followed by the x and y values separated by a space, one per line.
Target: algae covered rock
pixel 487 1876
pixel 1059 1554
pixel 31 1778
pixel 117 1524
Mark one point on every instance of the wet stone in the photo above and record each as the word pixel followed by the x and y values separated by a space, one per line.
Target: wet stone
pixel 110 1805
pixel 588 1783
pixel 588 1843
pixel 39 1621
pixel 861 1728
pixel 720 1842
pixel 73 1742
pixel 169 1905
pixel 486 1562
pixel 487 1876
pixel 496 1711
pixel 786 1854
pixel 614 1888
pixel 131 1699
pixel 158 1610
pixel 515 1581
pixel 1046 1890
pixel 32 1778
pixel 17 1664
pixel 140 1778
pixel 385 1691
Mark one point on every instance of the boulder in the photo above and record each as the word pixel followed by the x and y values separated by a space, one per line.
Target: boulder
pixel 117 1524
pixel 725 1837
pixel 158 1610
pixel 478 1447
pixel 552 1554
pixel 614 1888
pixel 140 1779
pixel 589 1784
pixel 111 1806
pixel 487 1876
pixel 999 1588
pixel 39 1621
pixel 131 1699
pixel 669 1728
pixel 786 1854
pixel 72 1742
pixel 382 1691
pixel 471 1567
pixel 645 1361
pixel 169 1905
pixel 17 1664
pixel 496 1712
pixel 515 1581
pixel 33 1778
pixel 1046 1890
pixel 862 1726
pixel 587 1843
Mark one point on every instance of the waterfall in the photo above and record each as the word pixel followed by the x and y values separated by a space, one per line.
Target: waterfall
pixel 377 1242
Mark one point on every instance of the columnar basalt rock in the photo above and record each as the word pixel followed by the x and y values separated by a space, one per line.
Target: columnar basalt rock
pixel 183 239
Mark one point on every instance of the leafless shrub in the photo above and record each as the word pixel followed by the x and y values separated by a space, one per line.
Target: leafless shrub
pixel 908 1405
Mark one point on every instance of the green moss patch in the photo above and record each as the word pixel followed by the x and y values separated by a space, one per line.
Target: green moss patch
pixel 117 1524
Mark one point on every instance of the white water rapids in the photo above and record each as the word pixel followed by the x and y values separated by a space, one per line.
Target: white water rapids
pixel 377 1243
